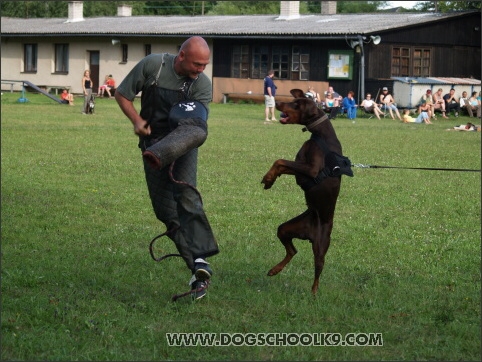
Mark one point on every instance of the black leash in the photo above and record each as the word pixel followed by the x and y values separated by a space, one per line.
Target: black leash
pixel 360 165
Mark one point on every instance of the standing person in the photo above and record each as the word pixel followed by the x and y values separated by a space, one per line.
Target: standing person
pixel 350 105
pixel 451 103
pixel 67 98
pixel 87 86
pixel 389 103
pixel 269 94
pixel 172 124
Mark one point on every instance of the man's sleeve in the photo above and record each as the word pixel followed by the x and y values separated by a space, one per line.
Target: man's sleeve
pixel 133 83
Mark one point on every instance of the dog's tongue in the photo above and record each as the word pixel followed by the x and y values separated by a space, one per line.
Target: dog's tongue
pixel 283 118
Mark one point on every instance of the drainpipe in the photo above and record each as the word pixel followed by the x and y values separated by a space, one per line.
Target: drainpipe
pixel 361 87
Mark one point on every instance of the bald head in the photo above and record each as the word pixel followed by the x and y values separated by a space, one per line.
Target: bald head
pixel 193 57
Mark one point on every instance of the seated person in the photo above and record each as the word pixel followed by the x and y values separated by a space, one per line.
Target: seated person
pixel 370 106
pixel 451 103
pixel 474 104
pixel 334 94
pixel 109 85
pixel 463 101
pixel 422 117
pixel 389 103
pixel 313 95
pixel 427 97
pixel 438 102
pixel 100 91
pixel 349 104
pixel 332 106
pixel 67 98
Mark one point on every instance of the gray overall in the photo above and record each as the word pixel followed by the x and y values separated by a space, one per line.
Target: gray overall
pixel 178 206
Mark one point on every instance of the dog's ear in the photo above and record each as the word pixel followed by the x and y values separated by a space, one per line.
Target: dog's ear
pixel 297 93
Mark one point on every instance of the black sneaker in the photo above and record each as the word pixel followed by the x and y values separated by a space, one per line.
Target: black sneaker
pixel 198 289
pixel 202 271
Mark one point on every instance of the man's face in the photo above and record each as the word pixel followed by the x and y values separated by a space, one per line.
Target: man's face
pixel 192 64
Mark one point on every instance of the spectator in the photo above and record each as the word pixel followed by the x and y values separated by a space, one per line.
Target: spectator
pixel 109 83
pixel 463 101
pixel 67 98
pixel 423 113
pixel 371 106
pixel 87 86
pixel 335 95
pixel 332 106
pixel 100 91
pixel 349 104
pixel 451 103
pixel 474 105
pixel 422 116
pixel 269 94
pixel 313 94
pixel 439 102
pixel 389 103
pixel 427 97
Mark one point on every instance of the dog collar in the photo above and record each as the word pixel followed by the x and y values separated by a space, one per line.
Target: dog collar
pixel 310 126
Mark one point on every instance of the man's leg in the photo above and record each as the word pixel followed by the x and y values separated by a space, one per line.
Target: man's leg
pixel 161 193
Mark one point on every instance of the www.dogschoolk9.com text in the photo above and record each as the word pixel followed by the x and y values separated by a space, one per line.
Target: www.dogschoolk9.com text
pixel 274 339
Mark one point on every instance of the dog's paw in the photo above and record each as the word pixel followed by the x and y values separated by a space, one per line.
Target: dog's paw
pixel 267 182
pixel 275 270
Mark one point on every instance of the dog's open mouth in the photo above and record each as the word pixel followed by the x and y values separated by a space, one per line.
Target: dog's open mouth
pixel 283 118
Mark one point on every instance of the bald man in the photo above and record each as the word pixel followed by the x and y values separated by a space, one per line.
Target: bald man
pixel 171 125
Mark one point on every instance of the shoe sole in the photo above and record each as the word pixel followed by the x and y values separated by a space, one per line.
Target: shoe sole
pixel 197 297
pixel 202 274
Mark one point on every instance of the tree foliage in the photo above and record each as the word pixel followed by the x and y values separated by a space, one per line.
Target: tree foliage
pixel 59 9
pixel 447 6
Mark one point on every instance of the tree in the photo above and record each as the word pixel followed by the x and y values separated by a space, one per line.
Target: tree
pixel 446 6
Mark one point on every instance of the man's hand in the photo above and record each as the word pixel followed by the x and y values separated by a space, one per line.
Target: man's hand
pixel 141 127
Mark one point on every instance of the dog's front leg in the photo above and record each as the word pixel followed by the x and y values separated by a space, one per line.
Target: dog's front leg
pixel 279 168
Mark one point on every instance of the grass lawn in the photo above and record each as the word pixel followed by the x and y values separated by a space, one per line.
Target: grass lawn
pixel 78 282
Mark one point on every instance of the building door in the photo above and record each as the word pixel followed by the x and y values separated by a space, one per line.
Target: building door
pixel 94 58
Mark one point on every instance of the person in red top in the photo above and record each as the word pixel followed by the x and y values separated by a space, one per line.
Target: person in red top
pixel 110 83
pixel 67 98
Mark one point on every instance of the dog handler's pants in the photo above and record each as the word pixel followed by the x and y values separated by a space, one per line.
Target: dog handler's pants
pixel 180 206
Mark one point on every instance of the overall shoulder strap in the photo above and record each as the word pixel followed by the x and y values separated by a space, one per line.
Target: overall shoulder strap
pixel 160 68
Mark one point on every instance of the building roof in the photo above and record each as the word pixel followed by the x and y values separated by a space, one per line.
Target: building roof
pixel 222 26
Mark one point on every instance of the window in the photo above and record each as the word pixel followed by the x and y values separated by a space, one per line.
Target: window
pixel 256 61
pixel 300 64
pixel 421 62
pixel 410 62
pixel 147 49
pixel 30 58
pixel 61 58
pixel 124 53
pixel 280 58
pixel 240 67
pixel 259 62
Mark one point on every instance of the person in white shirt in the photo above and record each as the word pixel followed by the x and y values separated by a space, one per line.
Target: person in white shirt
pixel 370 106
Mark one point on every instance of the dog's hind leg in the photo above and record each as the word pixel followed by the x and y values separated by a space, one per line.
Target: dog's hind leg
pixel 320 246
pixel 298 227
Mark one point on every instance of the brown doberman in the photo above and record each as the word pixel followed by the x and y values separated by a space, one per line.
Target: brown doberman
pixel 318 167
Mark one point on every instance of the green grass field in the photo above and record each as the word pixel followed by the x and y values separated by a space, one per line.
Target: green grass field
pixel 78 282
